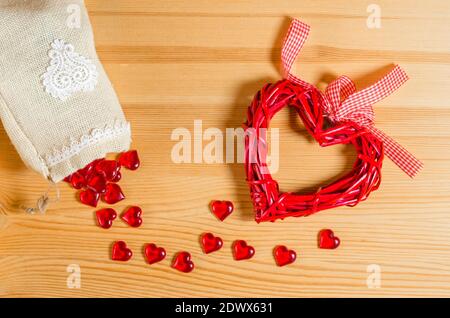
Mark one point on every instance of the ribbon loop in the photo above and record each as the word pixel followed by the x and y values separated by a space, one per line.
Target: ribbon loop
pixel 293 43
pixel 335 103
pixel 342 103
pixel 340 89
pixel 335 95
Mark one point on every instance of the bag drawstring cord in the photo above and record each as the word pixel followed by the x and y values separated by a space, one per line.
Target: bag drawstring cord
pixel 44 201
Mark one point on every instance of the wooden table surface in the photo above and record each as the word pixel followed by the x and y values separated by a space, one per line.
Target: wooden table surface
pixel 173 62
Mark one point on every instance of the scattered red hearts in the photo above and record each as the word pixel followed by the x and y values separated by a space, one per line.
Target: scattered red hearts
pixel 284 256
pixel 183 262
pixel 222 209
pixel 130 160
pixel 113 193
pixel 211 243
pixel 154 254
pixel 96 175
pixel 89 197
pixel 120 252
pixel 133 216
pixel 327 240
pixel 242 250
pixel 105 217
pixel 93 180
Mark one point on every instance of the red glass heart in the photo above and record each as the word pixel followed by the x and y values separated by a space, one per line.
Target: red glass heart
pixel 77 181
pixel 222 209
pixel 154 253
pixel 211 243
pixel 109 168
pixel 117 178
pixel 242 250
pixel 113 193
pixel 105 217
pixel 130 160
pixel 133 216
pixel 89 197
pixel 183 262
pixel 284 256
pixel 120 251
pixel 327 240
pixel 89 169
pixel 97 182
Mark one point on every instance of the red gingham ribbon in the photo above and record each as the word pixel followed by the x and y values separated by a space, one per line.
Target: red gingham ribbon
pixel 341 101
pixel 293 43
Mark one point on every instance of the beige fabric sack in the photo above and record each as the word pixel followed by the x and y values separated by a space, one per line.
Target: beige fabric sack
pixel 56 102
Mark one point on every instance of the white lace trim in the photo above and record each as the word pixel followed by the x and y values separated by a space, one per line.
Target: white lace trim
pixel 94 137
pixel 68 72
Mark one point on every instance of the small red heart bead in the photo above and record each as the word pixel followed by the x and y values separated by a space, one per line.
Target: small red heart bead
pixel 105 217
pixel 89 169
pixel 117 178
pixel 77 181
pixel 113 193
pixel 130 160
pixel 284 256
pixel 154 253
pixel 120 251
pixel 97 182
pixel 327 240
pixel 242 250
pixel 133 216
pixel 222 209
pixel 211 243
pixel 183 262
pixel 109 168
pixel 89 197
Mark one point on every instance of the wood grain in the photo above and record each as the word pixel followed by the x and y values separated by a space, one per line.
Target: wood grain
pixel 173 62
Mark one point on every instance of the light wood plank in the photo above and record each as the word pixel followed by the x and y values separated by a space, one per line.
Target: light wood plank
pixel 173 62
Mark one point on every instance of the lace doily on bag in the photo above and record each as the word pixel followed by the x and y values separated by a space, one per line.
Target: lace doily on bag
pixel 68 72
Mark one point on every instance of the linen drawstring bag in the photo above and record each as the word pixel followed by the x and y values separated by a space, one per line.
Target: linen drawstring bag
pixel 56 102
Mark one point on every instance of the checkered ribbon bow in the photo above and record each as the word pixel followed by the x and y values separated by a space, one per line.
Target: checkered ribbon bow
pixel 342 103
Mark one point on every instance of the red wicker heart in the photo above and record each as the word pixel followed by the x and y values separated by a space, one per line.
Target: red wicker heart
pixel 271 204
